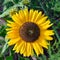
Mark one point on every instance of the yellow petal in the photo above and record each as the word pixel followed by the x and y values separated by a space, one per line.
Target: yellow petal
pixel 19 47
pixel 34 16
pixel 16 19
pixel 48 38
pixel 15 46
pixel 22 16
pixel 29 49
pixel 38 16
pixel 23 48
pixel 10 22
pixel 42 20
pixel 46 23
pixel 48 32
pixel 26 14
pixel 13 24
pixel 46 26
pixel 13 41
pixel 43 43
pixel 12 33
pixel 35 48
pixel 39 48
pixel 12 36
pixel 30 14
pixel 25 53
pixel 8 29
pixel 9 25
pixel 12 28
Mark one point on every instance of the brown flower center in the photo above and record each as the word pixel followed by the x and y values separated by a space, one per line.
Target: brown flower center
pixel 29 32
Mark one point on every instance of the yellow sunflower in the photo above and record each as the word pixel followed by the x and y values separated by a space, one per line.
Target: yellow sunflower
pixel 29 32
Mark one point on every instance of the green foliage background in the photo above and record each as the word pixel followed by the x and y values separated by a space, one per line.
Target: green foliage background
pixel 51 8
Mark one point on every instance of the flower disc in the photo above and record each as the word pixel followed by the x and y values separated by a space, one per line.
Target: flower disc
pixel 29 32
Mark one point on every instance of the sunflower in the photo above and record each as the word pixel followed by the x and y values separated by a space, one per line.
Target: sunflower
pixel 29 32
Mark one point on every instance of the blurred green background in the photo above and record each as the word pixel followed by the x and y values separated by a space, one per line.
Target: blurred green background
pixel 51 8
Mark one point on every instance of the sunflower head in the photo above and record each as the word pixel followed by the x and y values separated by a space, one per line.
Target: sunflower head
pixel 29 32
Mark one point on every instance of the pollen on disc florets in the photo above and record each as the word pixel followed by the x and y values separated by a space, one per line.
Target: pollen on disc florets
pixel 29 32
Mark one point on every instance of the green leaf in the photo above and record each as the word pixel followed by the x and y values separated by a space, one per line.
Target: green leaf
pixel 6 1
pixel 5 13
pixel 58 25
pixel 16 1
pixel 57 6
pixel 21 58
pixel 4 47
pixel 42 57
pixel 1 58
pixel 9 58
pixel 1 1
pixel 9 4
pixel 2 31
pixel 2 41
